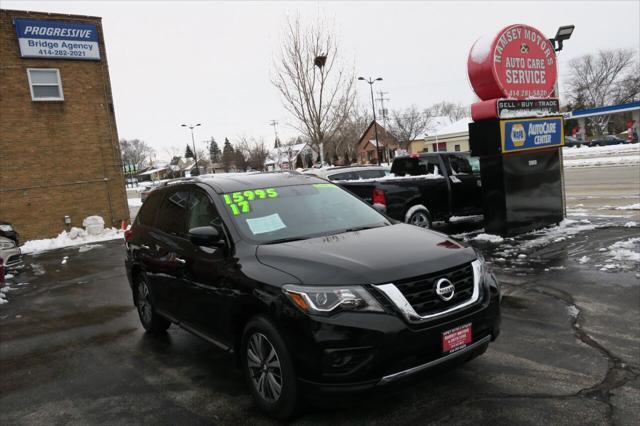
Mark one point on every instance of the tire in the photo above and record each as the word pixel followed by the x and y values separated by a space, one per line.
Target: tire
pixel 268 369
pixel 150 319
pixel 420 217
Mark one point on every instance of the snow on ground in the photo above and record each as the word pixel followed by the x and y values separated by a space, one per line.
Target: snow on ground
pixel 624 160
pixel 75 237
pixel 490 238
pixel 635 206
pixel 600 151
pixel 595 156
pixel 134 202
pixel 627 250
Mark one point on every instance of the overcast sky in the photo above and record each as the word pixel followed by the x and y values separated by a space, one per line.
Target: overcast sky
pixel 210 62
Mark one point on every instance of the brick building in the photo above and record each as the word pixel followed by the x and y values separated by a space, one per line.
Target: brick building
pixel 59 152
pixel 366 147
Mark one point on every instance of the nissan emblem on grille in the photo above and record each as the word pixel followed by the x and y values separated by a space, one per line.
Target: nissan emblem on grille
pixel 445 289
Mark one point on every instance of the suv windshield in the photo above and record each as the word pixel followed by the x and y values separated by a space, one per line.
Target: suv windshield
pixel 271 215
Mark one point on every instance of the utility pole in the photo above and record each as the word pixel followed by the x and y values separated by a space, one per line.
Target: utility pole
pixel 274 123
pixel 370 81
pixel 384 111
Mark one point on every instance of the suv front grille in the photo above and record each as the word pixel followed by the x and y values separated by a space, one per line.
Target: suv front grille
pixel 420 292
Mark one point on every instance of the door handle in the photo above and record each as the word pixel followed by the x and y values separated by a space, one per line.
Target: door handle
pixel 180 260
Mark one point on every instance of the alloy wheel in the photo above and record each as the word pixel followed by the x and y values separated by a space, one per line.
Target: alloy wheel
pixel 144 302
pixel 264 367
pixel 419 219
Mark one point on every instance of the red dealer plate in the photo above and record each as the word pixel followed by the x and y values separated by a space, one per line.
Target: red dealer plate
pixel 457 338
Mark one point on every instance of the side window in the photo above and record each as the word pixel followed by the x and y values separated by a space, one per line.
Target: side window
pixel 460 164
pixel 147 214
pixel 201 211
pixel 173 213
pixel 429 165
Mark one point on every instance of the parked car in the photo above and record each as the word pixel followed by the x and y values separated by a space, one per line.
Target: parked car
pixel 350 172
pixel 309 287
pixel 7 231
pixel 571 141
pixel 425 187
pixel 607 140
pixel 10 253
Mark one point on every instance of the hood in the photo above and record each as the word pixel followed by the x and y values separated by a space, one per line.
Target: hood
pixel 373 256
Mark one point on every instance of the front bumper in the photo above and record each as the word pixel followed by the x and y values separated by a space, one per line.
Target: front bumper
pixel 12 258
pixel 384 348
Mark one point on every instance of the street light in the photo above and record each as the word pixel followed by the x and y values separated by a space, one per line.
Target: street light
pixel 319 62
pixel 193 142
pixel 564 33
pixel 373 105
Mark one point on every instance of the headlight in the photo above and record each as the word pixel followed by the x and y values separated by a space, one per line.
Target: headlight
pixel 6 228
pixel 7 244
pixel 325 300
pixel 481 261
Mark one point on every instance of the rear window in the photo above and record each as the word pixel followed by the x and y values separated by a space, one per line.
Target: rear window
pixel 411 166
pixel 371 174
pixel 147 214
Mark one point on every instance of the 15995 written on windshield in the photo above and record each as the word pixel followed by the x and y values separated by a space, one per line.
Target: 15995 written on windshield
pixel 239 202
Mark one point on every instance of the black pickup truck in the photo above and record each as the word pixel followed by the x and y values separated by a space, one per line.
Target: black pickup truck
pixel 425 187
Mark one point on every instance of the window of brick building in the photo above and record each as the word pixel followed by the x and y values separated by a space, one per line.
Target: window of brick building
pixel 45 84
pixel 457 148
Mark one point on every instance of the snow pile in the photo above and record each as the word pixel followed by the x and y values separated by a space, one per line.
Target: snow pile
pixel 635 206
pixel 490 238
pixel 626 251
pixel 94 225
pixel 95 232
pixel 564 230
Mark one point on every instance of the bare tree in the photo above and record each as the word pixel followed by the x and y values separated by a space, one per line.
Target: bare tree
pixel 258 155
pixel 608 78
pixel 173 151
pixel 318 93
pixel 409 123
pixel 454 111
pixel 136 152
pixel 345 142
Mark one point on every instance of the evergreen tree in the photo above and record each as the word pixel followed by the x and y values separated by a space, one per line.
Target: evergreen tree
pixel 188 153
pixel 228 155
pixel 299 164
pixel 214 151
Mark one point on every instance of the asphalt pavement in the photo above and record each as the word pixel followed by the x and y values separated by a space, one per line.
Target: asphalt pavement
pixel 72 349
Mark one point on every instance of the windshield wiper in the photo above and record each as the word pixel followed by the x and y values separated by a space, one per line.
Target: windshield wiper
pixel 286 240
pixel 362 228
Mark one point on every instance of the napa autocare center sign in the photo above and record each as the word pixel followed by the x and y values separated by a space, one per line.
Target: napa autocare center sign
pixel 57 39
pixel 532 133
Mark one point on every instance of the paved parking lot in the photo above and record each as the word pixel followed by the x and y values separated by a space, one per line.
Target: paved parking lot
pixel 73 351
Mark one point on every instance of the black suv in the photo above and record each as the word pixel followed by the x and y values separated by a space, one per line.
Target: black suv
pixel 309 286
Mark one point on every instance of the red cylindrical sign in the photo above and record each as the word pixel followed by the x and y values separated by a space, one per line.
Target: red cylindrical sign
pixel 518 63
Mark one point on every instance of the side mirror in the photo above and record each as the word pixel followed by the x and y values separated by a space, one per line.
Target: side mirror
pixel 207 236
